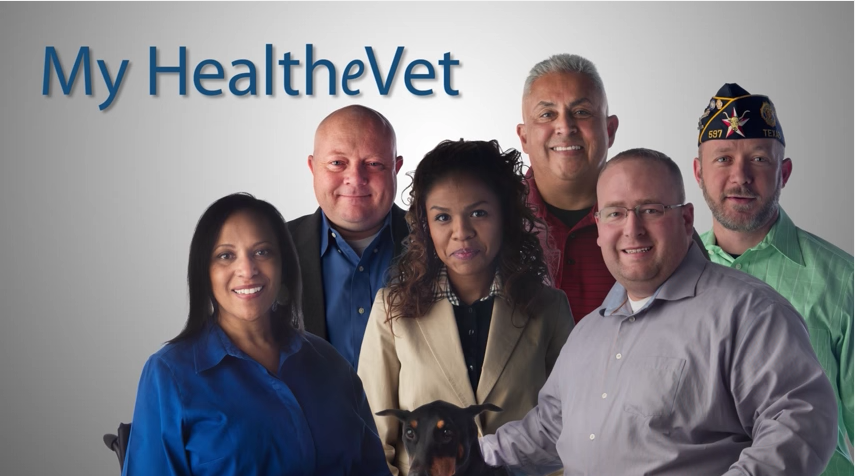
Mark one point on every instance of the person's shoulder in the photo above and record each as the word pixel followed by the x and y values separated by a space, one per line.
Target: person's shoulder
pixel 323 350
pixel 821 253
pixel 730 283
pixel 176 357
pixel 301 222
pixel 551 298
pixel 729 279
pixel 398 213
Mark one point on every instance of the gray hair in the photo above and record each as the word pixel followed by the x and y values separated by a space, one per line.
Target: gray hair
pixel 564 63
pixel 649 155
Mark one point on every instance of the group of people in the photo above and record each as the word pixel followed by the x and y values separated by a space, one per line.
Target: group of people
pixel 576 296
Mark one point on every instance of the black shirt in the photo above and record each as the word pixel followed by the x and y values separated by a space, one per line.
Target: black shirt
pixel 569 217
pixel 473 324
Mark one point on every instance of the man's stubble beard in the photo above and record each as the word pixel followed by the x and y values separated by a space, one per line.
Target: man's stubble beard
pixel 746 225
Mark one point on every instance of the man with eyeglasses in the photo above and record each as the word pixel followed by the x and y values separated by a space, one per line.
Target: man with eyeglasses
pixel 741 168
pixel 688 368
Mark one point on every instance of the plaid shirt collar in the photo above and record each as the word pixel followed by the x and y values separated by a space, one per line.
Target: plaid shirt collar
pixel 444 288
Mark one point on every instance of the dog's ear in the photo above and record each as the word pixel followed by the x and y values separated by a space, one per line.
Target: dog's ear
pixel 476 410
pixel 401 415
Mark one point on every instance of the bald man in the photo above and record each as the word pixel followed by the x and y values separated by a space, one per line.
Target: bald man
pixel 349 243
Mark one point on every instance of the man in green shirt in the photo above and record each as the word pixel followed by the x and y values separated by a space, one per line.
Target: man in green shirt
pixel 741 169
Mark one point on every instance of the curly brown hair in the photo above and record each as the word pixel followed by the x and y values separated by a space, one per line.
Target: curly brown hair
pixel 520 264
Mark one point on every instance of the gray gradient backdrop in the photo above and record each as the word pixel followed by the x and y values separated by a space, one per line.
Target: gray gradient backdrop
pixel 97 208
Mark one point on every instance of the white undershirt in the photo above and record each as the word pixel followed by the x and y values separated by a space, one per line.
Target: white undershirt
pixel 359 245
pixel 636 305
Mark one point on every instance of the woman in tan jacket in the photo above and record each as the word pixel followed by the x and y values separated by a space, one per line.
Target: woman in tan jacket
pixel 469 316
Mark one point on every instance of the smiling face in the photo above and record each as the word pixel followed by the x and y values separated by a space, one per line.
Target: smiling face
pixel 246 269
pixel 642 255
pixel 465 221
pixel 354 169
pixel 566 131
pixel 742 180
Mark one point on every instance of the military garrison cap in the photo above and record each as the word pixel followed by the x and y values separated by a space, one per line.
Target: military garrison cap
pixel 734 113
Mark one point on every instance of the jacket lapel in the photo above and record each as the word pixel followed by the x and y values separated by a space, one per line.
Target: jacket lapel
pixel 306 233
pixel 506 327
pixel 439 329
pixel 400 231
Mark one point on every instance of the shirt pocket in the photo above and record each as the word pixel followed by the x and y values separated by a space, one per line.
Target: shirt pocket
pixel 653 385
pixel 210 439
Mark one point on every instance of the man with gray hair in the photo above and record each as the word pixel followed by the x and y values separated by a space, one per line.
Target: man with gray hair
pixel 688 368
pixel 567 132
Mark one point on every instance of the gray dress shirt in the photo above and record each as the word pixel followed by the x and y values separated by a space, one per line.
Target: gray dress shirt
pixel 715 375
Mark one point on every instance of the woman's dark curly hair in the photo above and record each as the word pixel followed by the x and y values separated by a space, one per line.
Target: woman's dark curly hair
pixel 520 263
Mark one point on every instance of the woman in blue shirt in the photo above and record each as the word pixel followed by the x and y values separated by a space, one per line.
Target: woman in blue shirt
pixel 242 389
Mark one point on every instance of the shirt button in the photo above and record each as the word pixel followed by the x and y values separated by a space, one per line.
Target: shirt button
pixel 618 356
pixel 573 235
pixel 571 261
pixel 472 368
pixel 632 319
pixel 738 266
pixel 471 310
pixel 338 249
pixel 375 250
pixel 361 268
pixel 592 436
pixel 605 395
pixel 471 332
pixel 361 310
pixel 333 235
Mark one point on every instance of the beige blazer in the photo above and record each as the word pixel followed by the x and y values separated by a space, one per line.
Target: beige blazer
pixel 417 361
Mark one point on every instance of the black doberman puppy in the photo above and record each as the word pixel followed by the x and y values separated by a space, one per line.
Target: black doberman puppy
pixel 442 440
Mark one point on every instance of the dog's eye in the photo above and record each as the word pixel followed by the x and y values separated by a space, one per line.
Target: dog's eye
pixel 409 433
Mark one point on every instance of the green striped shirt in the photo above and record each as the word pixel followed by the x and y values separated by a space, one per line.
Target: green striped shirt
pixel 817 278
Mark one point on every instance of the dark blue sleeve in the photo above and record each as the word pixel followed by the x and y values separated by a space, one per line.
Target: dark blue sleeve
pixel 156 445
pixel 373 459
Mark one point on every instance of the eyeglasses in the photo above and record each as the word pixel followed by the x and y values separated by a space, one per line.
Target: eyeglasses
pixel 648 212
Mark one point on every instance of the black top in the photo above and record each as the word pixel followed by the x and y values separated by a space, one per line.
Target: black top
pixel 473 323
pixel 569 217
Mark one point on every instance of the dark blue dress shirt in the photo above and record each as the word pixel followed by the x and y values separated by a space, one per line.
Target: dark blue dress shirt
pixel 350 284
pixel 206 408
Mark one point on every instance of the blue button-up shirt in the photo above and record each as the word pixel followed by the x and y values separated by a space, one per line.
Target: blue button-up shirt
pixel 206 408
pixel 350 284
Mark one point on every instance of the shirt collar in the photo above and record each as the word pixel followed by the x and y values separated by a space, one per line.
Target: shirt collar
pixel 327 230
pixel 783 236
pixel 681 284
pixel 212 345
pixel 444 288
